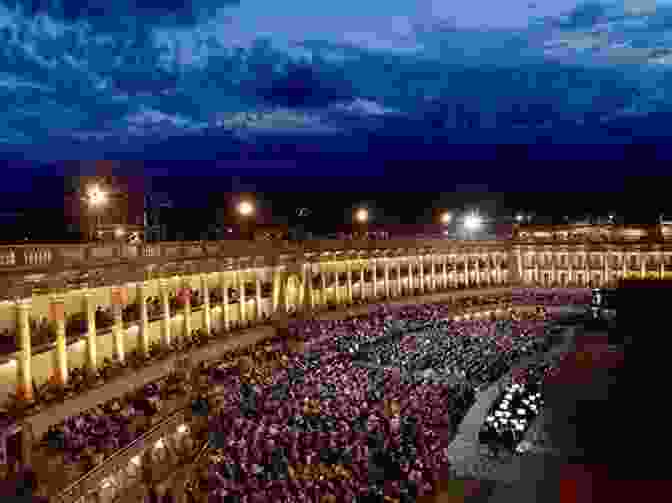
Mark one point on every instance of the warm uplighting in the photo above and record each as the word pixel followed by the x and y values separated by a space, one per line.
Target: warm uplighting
pixel 245 208
pixel 362 215
pixel 446 218
pixel 119 232
pixel 96 196
pixel 182 428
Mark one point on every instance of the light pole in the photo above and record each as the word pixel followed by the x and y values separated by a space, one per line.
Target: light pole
pixel 362 217
pixel 246 211
pixel 472 222
pixel 96 199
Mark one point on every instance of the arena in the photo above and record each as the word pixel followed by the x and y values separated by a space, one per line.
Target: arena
pixel 414 367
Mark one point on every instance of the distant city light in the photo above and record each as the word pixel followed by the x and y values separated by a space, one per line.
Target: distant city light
pixel 362 215
pixel 520 217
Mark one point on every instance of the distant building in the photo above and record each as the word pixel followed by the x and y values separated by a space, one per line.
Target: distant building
pixel 121 216
pixel 157 206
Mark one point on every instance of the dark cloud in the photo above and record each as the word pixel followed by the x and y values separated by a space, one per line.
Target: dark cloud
pixel 117 14
pixel 585 16
pixel 303 85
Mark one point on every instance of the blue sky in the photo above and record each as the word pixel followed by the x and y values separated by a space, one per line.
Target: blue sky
pixel 214 78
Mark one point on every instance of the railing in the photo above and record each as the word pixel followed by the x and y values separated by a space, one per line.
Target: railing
pixel 91 480
pixel 34 256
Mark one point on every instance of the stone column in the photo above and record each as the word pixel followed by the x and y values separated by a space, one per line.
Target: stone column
pixel 337 288
pixel 362 288
pixel 143 328
pixel 374 280
pixel 306 280
pixel 348 273
pixel 477 268
pixel 605 260
pixel 260 312
pixel 118 334
pixel 571 267
pixel 444 271
pixel 432 273
pixel 242 300
pixel 661 266
pixel 386 277
pixel 624 264
pixel 400 286
pixel 311 290
pixel 323 280
pixel 421 267
pixel 164 291
pixel 226 313
pixel 205 292
pixel 536 269
pixel 91 349
pixel 186 321
pixel 554 272
pixel 60 368
pixel 24 375
pixel 465 258
pixel 642 264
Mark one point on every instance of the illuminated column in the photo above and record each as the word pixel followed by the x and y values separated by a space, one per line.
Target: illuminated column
pixel 421 272
pixel 624 264
pixel 164 292
pixel 477 268
pixel 205 291
pixel 642 264
pixel 24 375
pixel 444 272
pixel 311 290
pixel 386 277
pixel 60 369
pixel 432 272
pixel 570 261
pixel 374 278
pixel 521 271
pixel 465 258
pixel 91 350
pixel 400 287
pixel 323 281
pixel 337 288
pixel 605 260
pixel 226 314
pixel 362 288
pixel 242 300
pixel 536 269
pixel 661 266
pixel 118 301
pixel 186 320
pixel 143 331
pixel 554 273
pixel 348 273
pixel 306 281
pixel 260 313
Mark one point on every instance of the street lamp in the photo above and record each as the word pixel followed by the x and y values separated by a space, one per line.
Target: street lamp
pixel 246 210
pixel 362 215
pixel 446 218
pixel 96 198
pixel 472 222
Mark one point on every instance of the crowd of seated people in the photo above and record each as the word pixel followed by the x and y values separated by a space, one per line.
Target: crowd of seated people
pixel 320 425
pixel 84 440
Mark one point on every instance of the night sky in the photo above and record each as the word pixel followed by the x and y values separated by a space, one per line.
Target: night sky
pixel 503 104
